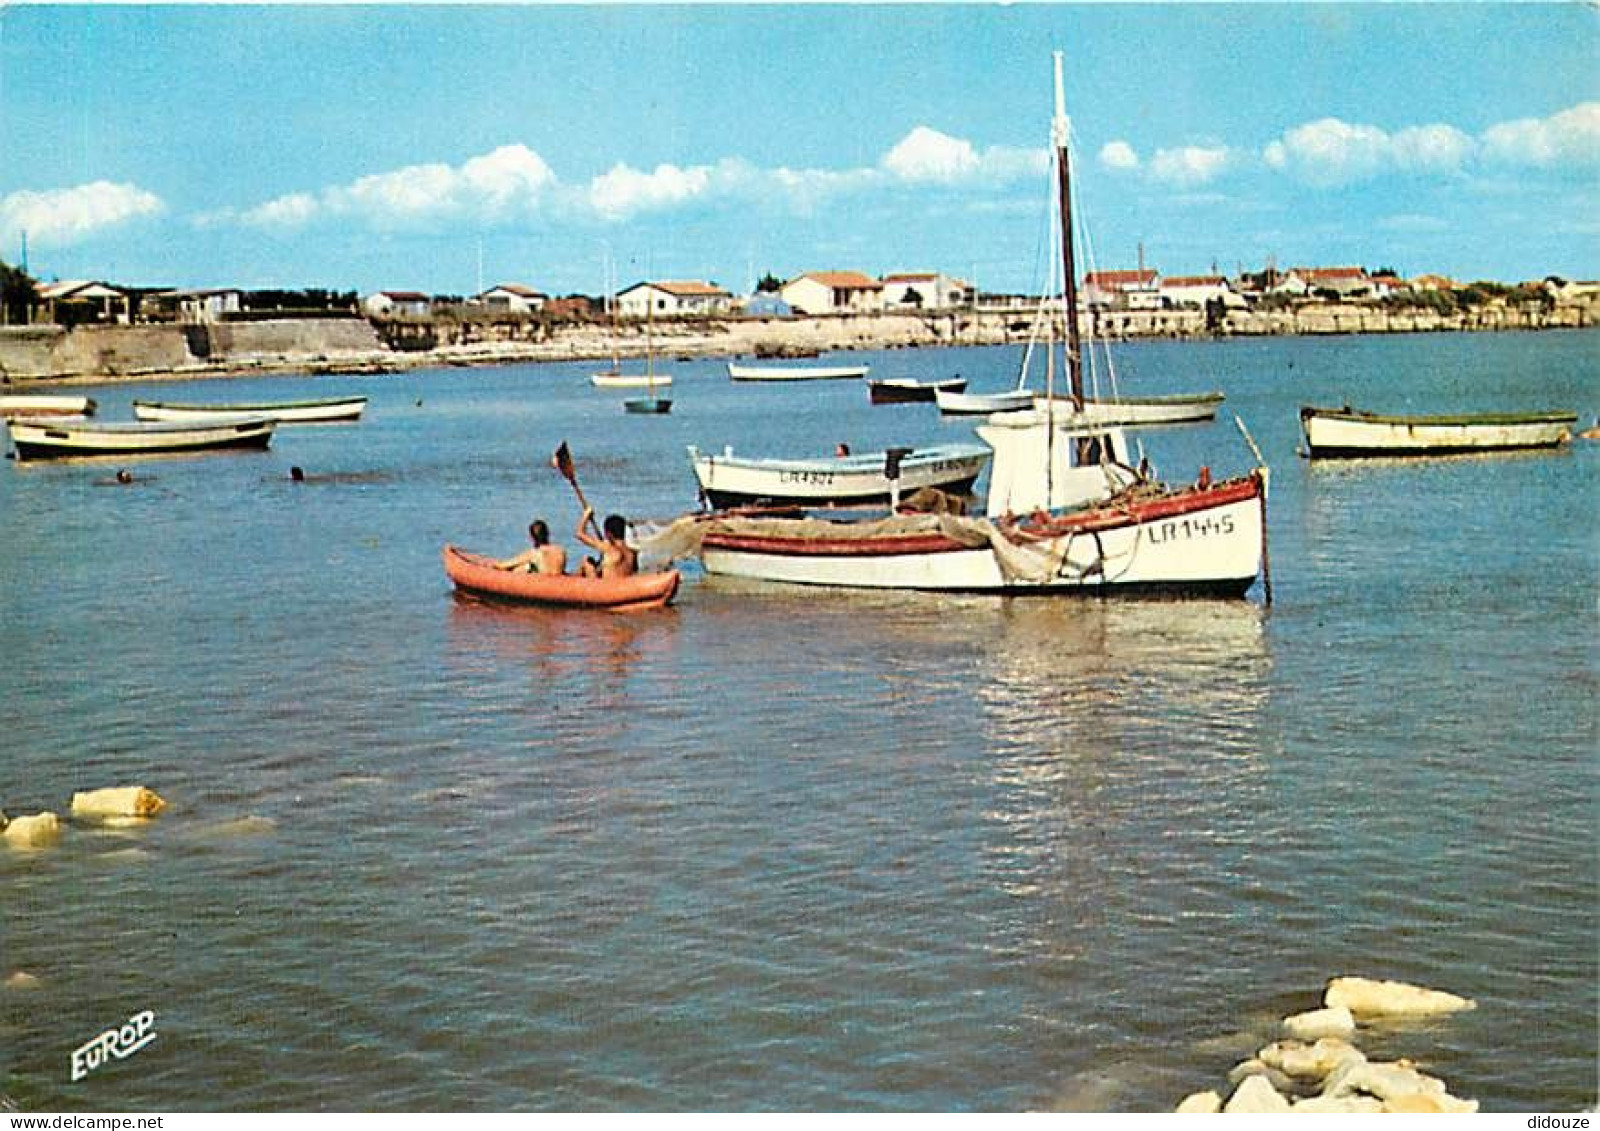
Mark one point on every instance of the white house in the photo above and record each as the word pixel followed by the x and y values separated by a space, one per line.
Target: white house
pixel 833 292
pixel 1346 282
pixel 207 306
pixel 1123 290
pixel 1181 291
pixel 111 305
pixel 397 304
pixel 512 297
pixel 923 290
pixel 673 296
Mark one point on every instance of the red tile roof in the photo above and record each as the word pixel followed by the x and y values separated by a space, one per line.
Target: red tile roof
pixel 688 288
pixel 844 280
pixel 1111 280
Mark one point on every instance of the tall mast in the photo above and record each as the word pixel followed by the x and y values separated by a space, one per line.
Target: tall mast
pixel 1059 135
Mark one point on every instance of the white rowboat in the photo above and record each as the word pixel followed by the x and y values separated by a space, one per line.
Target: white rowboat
pixel 981 404
pixel 795 372
pixel 728 481
pixel 327 411
pixel 629 380
pixel 13 405
pixel 1345 433
pixel 39 439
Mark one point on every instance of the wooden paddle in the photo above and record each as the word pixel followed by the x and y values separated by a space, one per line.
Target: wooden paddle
pixel 562 462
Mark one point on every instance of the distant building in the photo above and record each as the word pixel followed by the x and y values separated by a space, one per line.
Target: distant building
pixel 397 304
pixel 765 304
pixel 1346 282
pixel 103 303
pixel 572 307
pixel 512 297
pixel 833 292
pixel 1123 290
pixel 204 307
pixel 923 290
pixel 1198 291
pixel 1433 283
pixel 673 296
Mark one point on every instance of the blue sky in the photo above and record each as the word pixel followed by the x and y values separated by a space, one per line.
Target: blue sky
pixel 395 146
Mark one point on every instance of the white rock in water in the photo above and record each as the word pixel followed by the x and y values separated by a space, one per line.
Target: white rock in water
pixel 119 801
pixel 1253 1067
pixel 1338 1105
pixel 1430 1103
pixel 1335 1021
pixel 1255 1096
pixel 1201 1103
pixel 1385 1080
pixel 1364 997
pixel 1310 1062
pixel 32 832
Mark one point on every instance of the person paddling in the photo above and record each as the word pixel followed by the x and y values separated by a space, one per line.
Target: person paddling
pixel 543 556
pixel 617 558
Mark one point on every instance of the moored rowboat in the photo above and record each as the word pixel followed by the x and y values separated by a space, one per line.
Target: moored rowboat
pixel 629 380
pixel 325 411
pixel 906 390
pixel 795 372
pixel 1347 433
pixel 957 403
pixel 728 480
pixel 1118 412
pixel 13 405
pixel 474 573
pixel 41 439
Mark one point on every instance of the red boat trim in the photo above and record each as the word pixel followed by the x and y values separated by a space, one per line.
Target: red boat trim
pixel 1134 513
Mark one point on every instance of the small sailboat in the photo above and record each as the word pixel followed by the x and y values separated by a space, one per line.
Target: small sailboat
pixel 615 378
pixel 1069 508
pixel 649 404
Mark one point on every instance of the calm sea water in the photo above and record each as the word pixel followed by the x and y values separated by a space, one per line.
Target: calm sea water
pixel 776 849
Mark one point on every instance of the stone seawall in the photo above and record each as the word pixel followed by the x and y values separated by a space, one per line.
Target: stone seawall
pixel 89 353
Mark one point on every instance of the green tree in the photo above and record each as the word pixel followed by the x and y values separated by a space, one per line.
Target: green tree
pixel 769 284
pixel 18 293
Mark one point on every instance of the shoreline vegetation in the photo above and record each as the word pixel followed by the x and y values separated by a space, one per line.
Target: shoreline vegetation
pixel 99 353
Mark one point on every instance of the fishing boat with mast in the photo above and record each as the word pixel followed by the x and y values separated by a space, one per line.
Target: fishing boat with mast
pixel 615 378
pixel 1068 509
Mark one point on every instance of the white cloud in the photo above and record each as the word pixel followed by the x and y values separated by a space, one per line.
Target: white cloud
pixel 624 191
pixel 1330 152
pixel 927 155
pixel 507 182
pixel 1571 137
pixel 1190 166
pixel 59 217
pixel 1118 155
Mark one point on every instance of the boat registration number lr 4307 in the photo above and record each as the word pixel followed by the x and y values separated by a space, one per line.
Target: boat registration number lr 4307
pixel 808 478
pixel 1185 528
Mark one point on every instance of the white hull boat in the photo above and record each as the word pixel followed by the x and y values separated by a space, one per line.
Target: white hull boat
pixel 795 372
pixel 728 480
pixel 64 440
pixel 1345 433
pixel 326 411
pixel 630 380
pixel 981 404
pixel 13 405
pixel 1197 541
pixel 1118 412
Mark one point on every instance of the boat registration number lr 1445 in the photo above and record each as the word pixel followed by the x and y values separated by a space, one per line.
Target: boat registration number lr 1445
pixel 1185 528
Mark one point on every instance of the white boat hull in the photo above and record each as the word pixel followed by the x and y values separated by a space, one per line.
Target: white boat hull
pixel 728 480
pixel 284 412
pixel 1114 412
pixel 1208 542
pixel 981 404
pixel 630 381
pixel 1347 434
pixel 795 372
pixel 13 405
pixel 63 440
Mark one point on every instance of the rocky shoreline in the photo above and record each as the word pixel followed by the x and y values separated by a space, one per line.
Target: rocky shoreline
pixel 330 346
